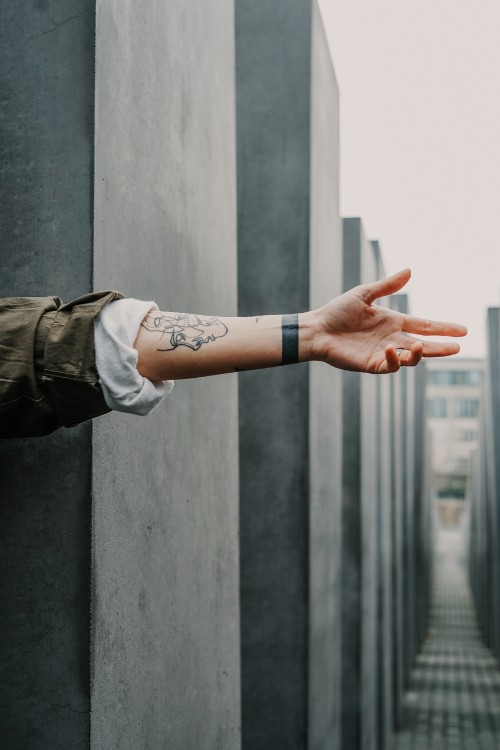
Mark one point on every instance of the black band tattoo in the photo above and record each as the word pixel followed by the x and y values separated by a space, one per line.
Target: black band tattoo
pixel 184 329
pixel 290 339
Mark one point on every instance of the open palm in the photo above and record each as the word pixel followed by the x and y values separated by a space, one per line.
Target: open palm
pixel 355 334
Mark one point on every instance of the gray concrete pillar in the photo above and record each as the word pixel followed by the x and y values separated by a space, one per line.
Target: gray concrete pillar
pixel 165 520
pixel 325 410
pixel 422 510
pixel 407 520
pixel 485 502
pixel 46 152
pixel 162 669
pixel 414 540
pixel 289 254
pixel 482 493
pixel 493 507
pixel 385 519
pixel 415 412
pixel 484 490
pixel 361 650
pixel 399 467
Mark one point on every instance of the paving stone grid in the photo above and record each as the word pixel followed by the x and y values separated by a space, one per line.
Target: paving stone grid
pixel 453 700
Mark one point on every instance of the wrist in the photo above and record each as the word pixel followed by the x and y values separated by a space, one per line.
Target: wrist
pixel 309 349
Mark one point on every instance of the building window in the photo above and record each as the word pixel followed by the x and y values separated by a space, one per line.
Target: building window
pixel 466 408
pixel 437 407
pixel 462 466
pixel 454 377
pixel 467 436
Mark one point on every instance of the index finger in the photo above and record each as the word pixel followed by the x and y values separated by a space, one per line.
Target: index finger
pixel 386 287
pixel 431 327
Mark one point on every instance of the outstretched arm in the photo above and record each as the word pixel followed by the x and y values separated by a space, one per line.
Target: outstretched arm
pixel 350 332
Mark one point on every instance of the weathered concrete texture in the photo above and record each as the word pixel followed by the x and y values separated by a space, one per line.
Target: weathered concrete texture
pixel 493 497
pixel 398 461
pixel 386 527
pixel 411 521
pixel 417 567
pixel 361 650
pixel 45 548
pixel 165 627
pixel 484 557
pixel 46 156
pixel 422 510
pixel 483 492
pixel 273 91
pixel 479 552
pixel 385 419
pixel 408 542
pixel 287 168
pixel 47 146
pixel 410 538
pixel 325 409
pixel 403 527
pixel 419 534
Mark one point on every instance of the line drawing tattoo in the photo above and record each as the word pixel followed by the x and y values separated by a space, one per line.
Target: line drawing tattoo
pixel 184 329
pixel 258 317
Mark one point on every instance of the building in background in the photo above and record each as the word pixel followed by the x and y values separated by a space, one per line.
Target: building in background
pixel 453 395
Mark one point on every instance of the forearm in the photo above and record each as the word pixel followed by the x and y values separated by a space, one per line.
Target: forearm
pixel 349 332
pixel 176 345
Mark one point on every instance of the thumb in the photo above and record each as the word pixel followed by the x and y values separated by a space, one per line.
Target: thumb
pixel 387 286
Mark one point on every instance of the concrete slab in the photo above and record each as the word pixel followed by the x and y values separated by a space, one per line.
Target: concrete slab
pixel 165 625
pixel 273 68
pixel 484 553
pixel 360 533
pixel 289 252
pixel 46 153
pixel 325 409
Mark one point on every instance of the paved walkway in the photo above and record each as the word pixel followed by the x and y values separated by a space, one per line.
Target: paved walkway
pixel 453 702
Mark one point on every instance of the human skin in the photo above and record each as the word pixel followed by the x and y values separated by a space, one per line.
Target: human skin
pixel 349 332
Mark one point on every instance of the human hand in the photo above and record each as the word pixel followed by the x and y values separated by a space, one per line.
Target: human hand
pixel 354 334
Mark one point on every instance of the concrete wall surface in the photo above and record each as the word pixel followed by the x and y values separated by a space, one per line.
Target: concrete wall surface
pixel 385 527
pixel 386 417
pixel 46 155
pixel 165 625
pixel 398 461
pixel 290 434
pixel 384 435
pixel 273 68
pixel 422 510
pixel 325 408
pixel 484 554
pixel 360 513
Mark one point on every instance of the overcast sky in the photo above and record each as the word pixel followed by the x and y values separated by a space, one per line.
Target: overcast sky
pixel 420 145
